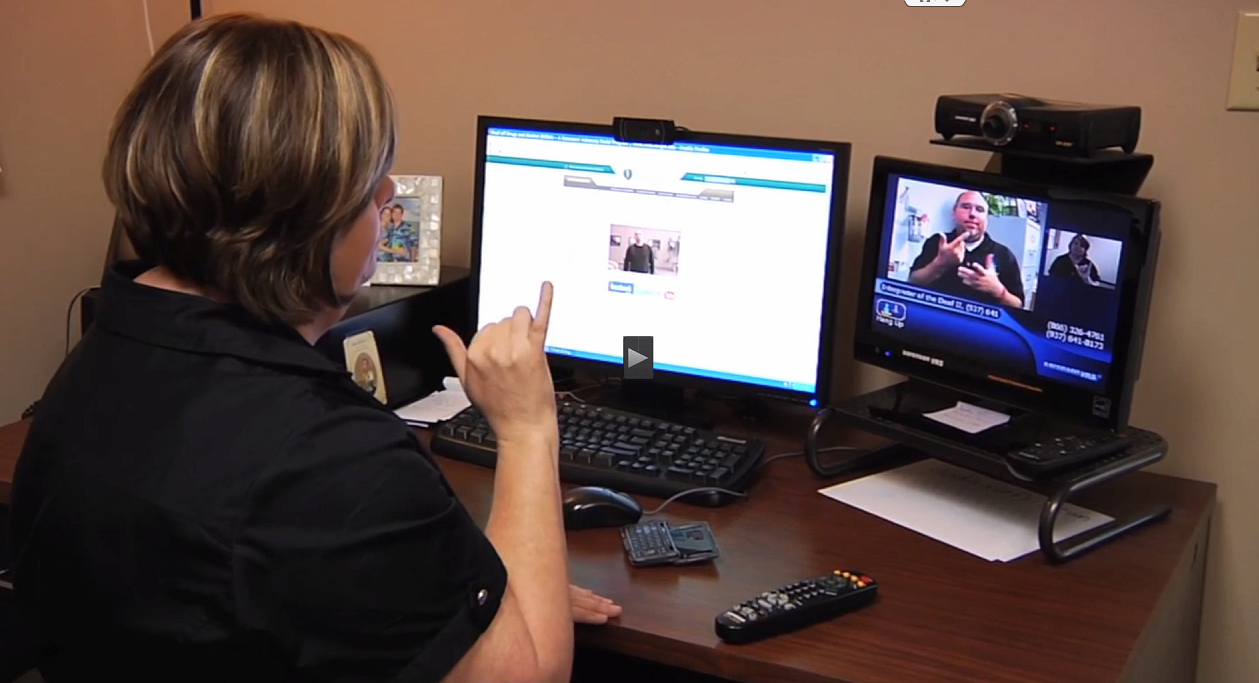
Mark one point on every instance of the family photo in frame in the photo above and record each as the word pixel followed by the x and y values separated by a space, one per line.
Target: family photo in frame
pixel 409 252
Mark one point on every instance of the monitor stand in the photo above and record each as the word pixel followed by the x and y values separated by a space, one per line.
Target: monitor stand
pixel 1103 171
pixel 914 400
pixel 658 400
pixel 897 413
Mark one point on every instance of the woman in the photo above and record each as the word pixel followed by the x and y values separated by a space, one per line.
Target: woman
pixel 1076 263
pixel 203 496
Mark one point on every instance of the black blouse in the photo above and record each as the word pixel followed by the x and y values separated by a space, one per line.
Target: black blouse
pixel 205 498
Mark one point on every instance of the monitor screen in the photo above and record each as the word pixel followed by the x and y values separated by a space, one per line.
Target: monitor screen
pixel 1013 289
pixel 721 248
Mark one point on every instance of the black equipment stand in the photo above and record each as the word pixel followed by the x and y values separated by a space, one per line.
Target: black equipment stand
pixel 895 412
pixel 1105 171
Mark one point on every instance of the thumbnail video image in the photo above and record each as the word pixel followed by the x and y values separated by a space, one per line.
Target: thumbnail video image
pixel 966 243
pixel 1086 258
pixel 643 250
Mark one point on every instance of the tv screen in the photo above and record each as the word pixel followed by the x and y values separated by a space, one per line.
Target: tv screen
pixel 1030 294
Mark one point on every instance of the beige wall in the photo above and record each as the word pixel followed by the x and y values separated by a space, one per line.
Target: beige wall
pixel 64 67
pixel 866 71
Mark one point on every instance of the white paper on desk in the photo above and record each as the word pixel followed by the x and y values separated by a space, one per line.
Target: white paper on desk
pixel 969 418
pixel 437 406
pixel 981 515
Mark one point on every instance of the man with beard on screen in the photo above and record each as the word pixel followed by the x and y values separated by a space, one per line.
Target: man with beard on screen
pixel 967 262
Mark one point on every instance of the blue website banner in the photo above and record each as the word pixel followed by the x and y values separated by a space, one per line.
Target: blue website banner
pixel 607 140
pixel 550 163
pixel 739 181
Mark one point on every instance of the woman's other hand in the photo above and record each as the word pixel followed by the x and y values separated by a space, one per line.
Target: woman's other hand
pixel 590 607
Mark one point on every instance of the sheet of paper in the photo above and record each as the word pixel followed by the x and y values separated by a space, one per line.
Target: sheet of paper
pixel 969 511
pixel 437 406
pixel 969 418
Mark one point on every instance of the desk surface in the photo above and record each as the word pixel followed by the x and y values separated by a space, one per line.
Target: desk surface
pixel 943 615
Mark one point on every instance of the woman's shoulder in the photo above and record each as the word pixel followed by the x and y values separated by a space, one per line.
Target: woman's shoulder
pixel 342 413
pixel 288 405
pixel 351 463
pixel 342 446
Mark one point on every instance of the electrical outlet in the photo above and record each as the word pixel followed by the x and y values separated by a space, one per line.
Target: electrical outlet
pixel 1243 84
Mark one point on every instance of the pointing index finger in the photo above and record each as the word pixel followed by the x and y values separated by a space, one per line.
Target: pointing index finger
pixel 542 318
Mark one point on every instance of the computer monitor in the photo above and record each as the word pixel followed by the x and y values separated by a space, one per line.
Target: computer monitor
pixel 1031 295
pixel 724 249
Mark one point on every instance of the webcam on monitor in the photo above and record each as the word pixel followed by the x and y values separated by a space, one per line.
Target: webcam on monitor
pixel 645 131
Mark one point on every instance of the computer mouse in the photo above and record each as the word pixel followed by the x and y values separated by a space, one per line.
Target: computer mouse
pixel 593 507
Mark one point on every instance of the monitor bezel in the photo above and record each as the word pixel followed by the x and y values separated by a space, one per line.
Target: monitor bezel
pixel 826 346
pixel 1062 400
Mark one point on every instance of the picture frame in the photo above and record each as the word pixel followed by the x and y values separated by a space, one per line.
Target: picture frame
pixel 409 252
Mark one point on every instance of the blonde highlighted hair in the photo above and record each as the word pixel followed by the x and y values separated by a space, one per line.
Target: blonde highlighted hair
pixel 245 148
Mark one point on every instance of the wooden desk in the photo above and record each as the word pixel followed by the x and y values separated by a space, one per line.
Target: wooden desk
pixel 1128 612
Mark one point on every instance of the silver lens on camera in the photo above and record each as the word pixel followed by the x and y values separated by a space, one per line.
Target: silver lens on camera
pixel 999 122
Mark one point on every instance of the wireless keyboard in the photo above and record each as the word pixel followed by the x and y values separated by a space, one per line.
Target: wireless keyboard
pixel 623 451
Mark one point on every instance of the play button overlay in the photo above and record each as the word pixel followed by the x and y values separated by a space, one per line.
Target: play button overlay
pixel 636 360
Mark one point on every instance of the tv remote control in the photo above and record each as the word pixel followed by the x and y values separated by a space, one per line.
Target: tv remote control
pixel 795 606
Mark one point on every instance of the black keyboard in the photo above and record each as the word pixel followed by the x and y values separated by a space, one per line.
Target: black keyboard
pixel 623 451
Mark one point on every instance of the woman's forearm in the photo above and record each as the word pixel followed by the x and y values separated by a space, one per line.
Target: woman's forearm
pixel 526 526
